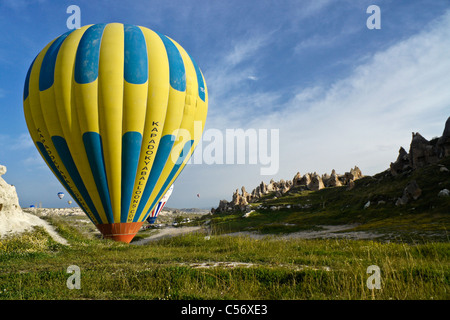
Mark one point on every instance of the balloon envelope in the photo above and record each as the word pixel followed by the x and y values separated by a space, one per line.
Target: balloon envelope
pixel 60 195
pixel 155 212
pixel 116 112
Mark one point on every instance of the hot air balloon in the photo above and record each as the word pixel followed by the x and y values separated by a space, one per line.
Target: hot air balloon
pixel 115 111
pixel 154 214
pixel 60 195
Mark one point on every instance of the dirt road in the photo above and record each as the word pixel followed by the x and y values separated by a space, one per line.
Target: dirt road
pixel 168 233
pixel 327 233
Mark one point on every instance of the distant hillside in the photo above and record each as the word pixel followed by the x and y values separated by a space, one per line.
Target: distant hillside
pixel 411 198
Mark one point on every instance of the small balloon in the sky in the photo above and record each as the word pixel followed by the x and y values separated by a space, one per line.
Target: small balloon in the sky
pixel 60 195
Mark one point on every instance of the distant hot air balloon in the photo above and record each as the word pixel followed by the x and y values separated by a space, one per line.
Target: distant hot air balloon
pixel 155 212
pixel 69 202
pixel 198 195
pixel 116 112
pixel 60 195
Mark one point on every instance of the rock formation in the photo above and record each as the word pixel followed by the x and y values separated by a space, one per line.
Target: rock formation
pixel 402 163
pixel 422 152
pixel 9 202
pixel 296 179
pixel 13 219
pixel 411 192
pixel 333 180
pixel 316 183
pixel 443 143
pixel 310 181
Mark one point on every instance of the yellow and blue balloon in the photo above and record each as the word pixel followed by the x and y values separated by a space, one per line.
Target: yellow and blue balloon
pixel 112 110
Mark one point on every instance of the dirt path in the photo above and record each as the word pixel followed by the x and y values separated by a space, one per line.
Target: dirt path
pixel 335 232
pixel 329 232
pixel 167 233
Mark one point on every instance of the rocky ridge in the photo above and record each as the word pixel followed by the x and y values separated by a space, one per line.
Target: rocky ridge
pixel 422 152
pixel 309 181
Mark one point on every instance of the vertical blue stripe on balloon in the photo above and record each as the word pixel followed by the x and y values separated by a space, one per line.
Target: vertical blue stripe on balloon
pixel 88 54
pixel 26 88
pixel 176 65
pixel 47 72
pixel 131 147
pixel 94 151
pixel 162 154
pixel 201 83
pixel 154 211
pixel 158 209
pixel 175 169
pixel 55 170
pixel 135 55
pixel 66 157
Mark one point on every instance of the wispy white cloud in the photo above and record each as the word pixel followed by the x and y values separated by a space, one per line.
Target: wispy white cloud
pixel 367 116
pixel 34 163
pixel 324 41
pixel 22 141
pixel 229 77
pixel 359 120
pixel 245 49
pixel 309 9
pixel 19 5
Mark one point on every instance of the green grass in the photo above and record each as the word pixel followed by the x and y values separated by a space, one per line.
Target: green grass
pixel 414 263
pixel 32 266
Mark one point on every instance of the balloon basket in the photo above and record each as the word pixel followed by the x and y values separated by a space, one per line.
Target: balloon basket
pixel 122 232
pixel 151 220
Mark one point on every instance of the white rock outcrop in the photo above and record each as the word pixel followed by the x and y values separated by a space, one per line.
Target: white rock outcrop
pixel 13 219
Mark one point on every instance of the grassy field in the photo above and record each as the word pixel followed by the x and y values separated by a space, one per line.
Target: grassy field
pixel 33 266
pixel 412 251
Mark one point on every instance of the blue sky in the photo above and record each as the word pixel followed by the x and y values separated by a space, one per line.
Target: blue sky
pixel 340 94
